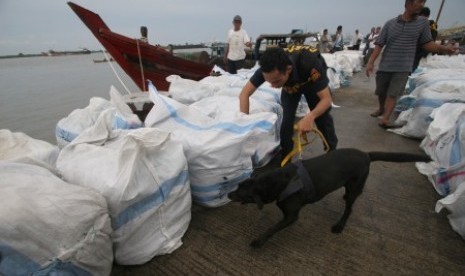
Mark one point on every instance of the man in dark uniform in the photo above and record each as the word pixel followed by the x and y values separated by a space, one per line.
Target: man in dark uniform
pixel 298 70
pixel 421 53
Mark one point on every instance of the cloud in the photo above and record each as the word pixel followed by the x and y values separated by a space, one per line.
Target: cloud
pixel 51 23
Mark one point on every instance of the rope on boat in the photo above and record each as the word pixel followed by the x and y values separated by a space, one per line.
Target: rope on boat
pixel 114 70
pixel 141 67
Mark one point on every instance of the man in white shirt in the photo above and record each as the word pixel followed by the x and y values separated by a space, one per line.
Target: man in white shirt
pixel 238 39
pixel 356 41
pixel 371 43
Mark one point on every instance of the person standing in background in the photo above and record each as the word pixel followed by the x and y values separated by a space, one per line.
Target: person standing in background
pixel 237 40
pixel 143 33
pixel 338 40
pixel 356 41
pixel 324 42
pixel 371 44
pixel 367 41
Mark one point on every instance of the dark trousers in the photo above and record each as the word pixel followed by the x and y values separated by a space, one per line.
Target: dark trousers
pixel 234 65
pixel 325 122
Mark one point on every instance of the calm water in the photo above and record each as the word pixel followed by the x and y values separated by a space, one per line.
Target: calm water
pixel 35 93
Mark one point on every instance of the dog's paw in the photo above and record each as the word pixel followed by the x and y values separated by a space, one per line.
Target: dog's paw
pixel 337 229
pixel 257 243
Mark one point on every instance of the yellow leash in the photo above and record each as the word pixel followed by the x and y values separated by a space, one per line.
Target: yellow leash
pixel 298 145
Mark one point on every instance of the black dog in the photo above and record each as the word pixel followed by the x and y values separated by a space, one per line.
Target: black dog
pixel 308 181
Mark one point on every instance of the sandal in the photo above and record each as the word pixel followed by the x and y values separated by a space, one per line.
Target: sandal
pixel 386 126
pixel 376 113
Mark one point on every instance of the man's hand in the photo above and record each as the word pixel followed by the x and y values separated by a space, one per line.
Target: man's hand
pixel 369 69
pixel 305 124
pixel 451 49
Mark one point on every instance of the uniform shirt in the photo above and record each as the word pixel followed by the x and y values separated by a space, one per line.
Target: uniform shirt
pixel 400 39
pixel 236 41
pixel 308 72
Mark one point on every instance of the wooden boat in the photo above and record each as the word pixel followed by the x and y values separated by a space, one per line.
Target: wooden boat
pixel 102 60
pixel 141 60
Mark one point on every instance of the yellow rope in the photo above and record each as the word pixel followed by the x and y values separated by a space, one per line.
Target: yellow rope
pixel 298 145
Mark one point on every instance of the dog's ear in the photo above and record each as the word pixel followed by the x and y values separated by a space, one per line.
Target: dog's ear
pixel 258 200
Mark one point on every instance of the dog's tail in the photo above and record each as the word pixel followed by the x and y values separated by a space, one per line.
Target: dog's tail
pixel 397 157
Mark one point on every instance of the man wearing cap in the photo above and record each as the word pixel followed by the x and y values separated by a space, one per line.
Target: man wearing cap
pixel 237 40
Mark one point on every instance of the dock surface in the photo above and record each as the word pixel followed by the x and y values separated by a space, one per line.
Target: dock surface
pixel 393 229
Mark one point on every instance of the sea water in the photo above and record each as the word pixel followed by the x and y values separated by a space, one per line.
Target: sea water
pixel 36 92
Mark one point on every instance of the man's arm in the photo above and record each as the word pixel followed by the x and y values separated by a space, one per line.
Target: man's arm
pixel 371 61
pixel 246 92
pixel 306 123
pixel 436 48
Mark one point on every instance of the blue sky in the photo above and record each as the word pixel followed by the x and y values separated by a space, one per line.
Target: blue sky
pixel 34 26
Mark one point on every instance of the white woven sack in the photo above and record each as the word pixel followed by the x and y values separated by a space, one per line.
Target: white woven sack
pixel 124 117
pixel 50 227
pixel 445 136
pixel 142 174
pixel 220 153
pixel 455 204
pixel 197 90
pixel 78 120
pixel 445 180
pixel 19 147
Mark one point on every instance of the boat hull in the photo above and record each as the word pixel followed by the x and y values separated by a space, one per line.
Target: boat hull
pixel 140 60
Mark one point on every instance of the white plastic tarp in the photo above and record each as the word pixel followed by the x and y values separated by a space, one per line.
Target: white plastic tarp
pixel 50 227
pixel 142 174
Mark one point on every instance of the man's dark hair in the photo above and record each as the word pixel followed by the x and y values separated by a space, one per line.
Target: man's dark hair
pixel 425 12
pixel 274 58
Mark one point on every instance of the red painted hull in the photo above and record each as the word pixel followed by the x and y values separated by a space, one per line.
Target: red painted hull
pixel 140 60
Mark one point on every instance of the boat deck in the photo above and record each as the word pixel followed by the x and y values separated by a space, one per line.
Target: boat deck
pixel 393 229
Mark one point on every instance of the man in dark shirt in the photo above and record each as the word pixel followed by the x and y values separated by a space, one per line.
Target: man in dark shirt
pixel 421 53
pixel 298 70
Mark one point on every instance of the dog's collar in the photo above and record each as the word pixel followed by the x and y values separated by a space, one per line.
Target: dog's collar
pixel 304 182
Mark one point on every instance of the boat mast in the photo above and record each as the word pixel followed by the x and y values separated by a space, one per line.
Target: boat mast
pixel 439 12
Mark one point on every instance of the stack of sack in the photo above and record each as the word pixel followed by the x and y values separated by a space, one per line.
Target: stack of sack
pixel 434 110
pixel 444 143
pixel 116 189
pixel 131 186
pixel 142 174
pixel 342 65
pixel 48 226
pixel 427 89
pixel 222 145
